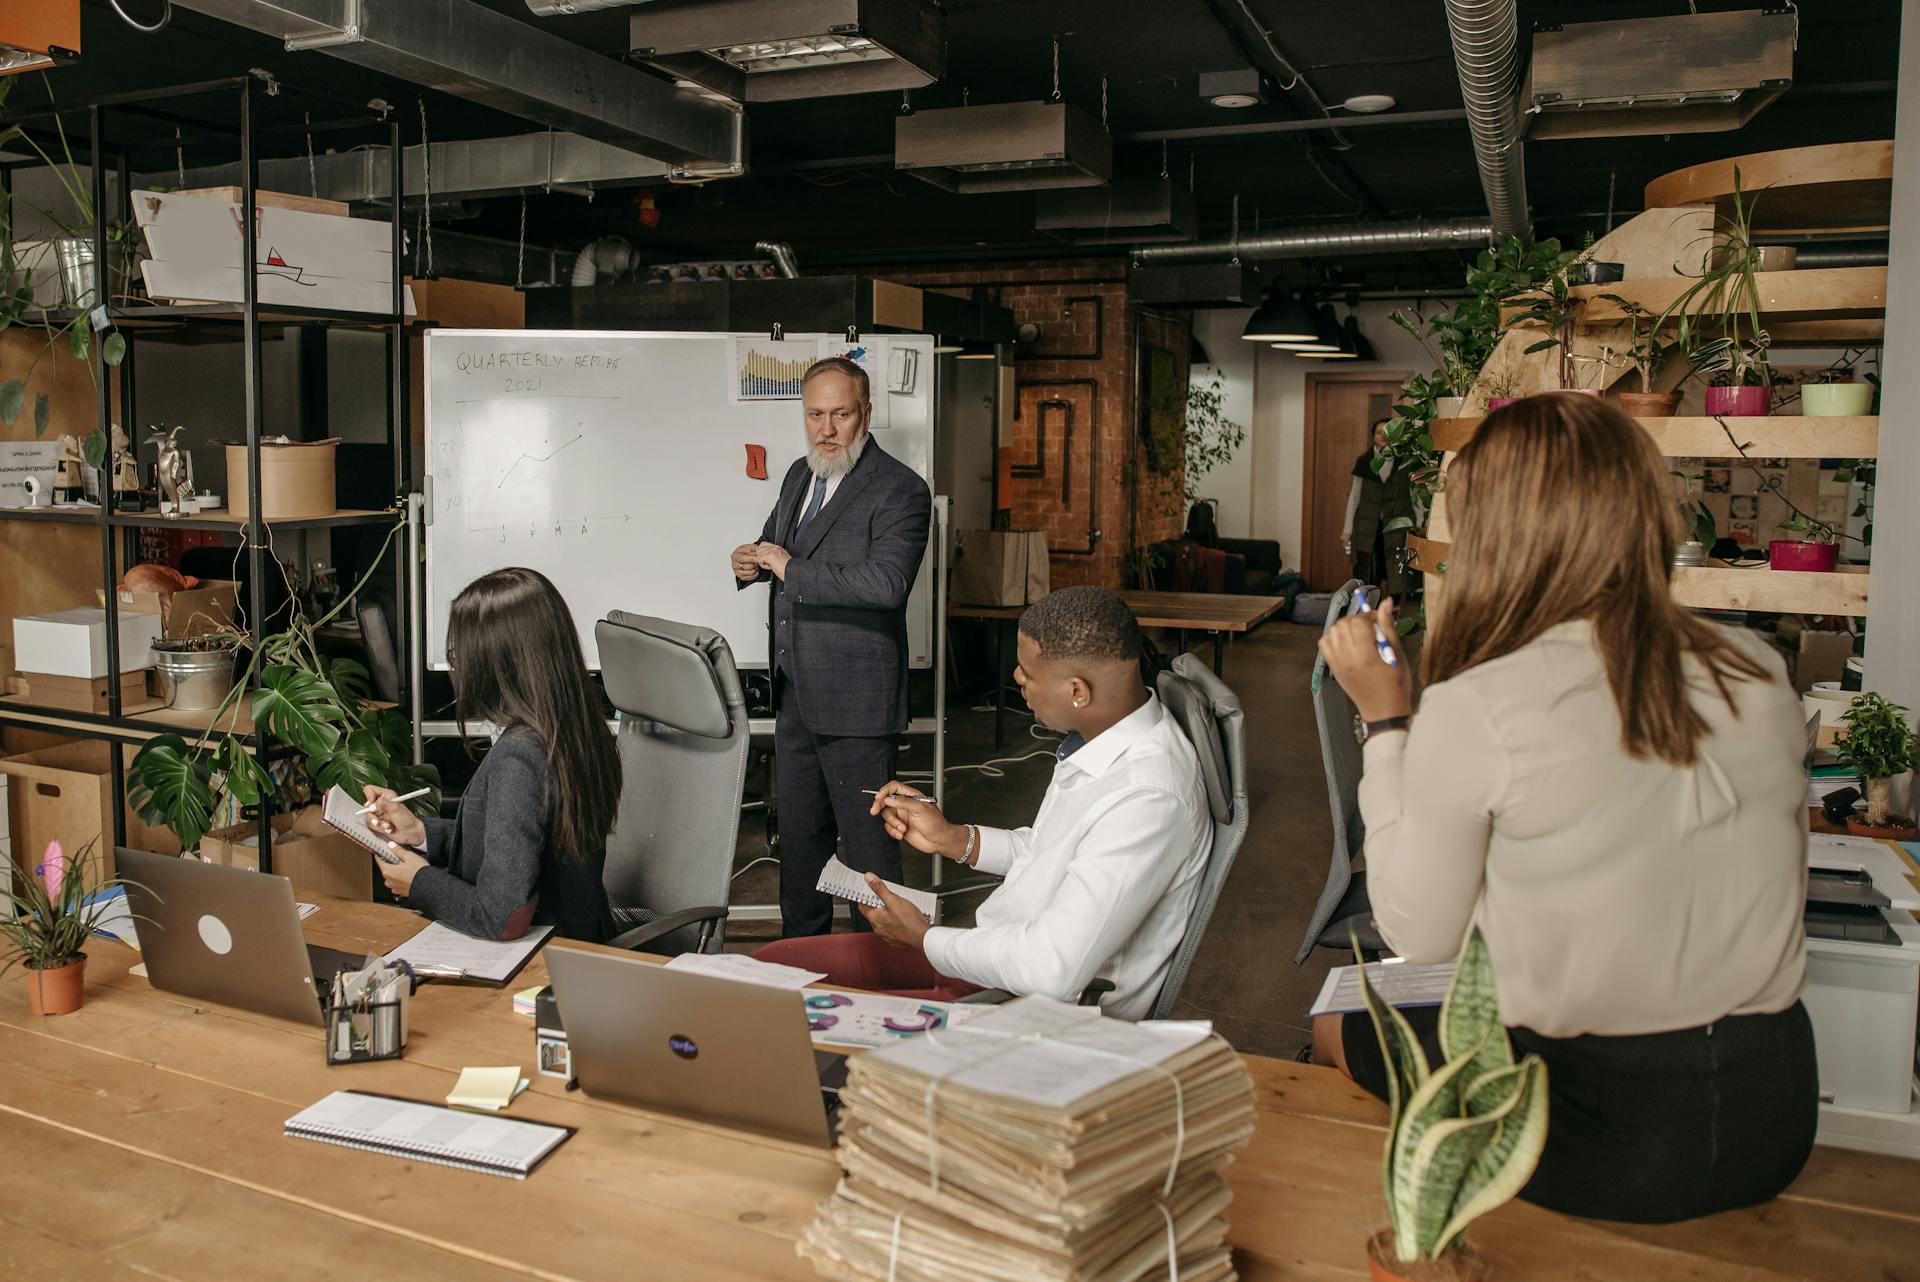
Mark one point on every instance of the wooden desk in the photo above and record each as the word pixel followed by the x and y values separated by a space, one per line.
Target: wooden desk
pixel 1216 613
pixel 143 1136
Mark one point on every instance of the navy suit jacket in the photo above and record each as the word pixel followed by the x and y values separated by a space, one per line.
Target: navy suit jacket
pixel 839 621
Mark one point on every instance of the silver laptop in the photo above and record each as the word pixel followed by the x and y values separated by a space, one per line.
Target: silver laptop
pixel 716 1050
pixel 226 935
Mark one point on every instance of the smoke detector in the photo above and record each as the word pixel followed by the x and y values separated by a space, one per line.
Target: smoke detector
pixel 1239 87
pixel 1367 103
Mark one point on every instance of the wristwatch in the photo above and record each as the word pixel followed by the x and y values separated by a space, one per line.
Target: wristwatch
pixel 1365 730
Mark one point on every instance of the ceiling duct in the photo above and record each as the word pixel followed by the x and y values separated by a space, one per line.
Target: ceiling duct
pixel 782 255
pixel 1327 242
pixel 1688 73
pixel 1227 283
pixel 779 50
pixel 462 48
pixel 1126 213
pixel 1008 146
pixel 1486 54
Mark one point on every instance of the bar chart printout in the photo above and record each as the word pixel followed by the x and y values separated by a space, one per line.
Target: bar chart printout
pixel 765 370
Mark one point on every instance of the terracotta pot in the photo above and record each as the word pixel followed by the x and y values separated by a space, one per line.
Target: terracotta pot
pixel 1580 391
pixel 1793 554
pixel 57 990
pixel 1737 402
pixel 1497 402
pixel 1650 404
pixel 1462 1264
pixel 1896 828
pixel 1836 400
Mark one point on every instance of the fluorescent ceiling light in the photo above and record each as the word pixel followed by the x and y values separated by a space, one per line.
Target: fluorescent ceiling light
pixel 806 51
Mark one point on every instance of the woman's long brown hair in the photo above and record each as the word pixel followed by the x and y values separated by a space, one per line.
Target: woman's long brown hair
pixel 1562 509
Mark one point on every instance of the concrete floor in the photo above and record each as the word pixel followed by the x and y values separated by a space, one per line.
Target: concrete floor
pixel 1244 979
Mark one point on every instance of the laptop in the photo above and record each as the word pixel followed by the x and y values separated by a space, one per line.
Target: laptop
pixel 715 1050
pixel 227 935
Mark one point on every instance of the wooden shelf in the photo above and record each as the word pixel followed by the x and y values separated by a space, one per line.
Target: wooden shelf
pixel 216 519
pixel 1818 294
pixel 1726 587
pixel 136 724
pixel 1768 436
pixel 1844 186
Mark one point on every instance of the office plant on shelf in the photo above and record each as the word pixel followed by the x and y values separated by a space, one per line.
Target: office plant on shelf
pixel 1879 744
pixel 51 915
pixel 1814 545
pixel 323 708
pixel 1647 351
pixel 1719 316
pixel 1463 1136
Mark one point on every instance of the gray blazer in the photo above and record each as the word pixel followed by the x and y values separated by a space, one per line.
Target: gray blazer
pixel 839 622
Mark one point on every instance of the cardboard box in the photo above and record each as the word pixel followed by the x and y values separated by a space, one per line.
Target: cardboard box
pixel 73 643
pixel 296 480
pixel 89 694
pixel 211 607
pixel 1000 567
pixel 65 794
pixel 314 857
pixel 1823 657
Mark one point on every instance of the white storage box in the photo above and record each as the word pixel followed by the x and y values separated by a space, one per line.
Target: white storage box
pixel 1862 998
pixel 73 643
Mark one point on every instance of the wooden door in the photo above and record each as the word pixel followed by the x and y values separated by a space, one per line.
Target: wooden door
pixel 1340 412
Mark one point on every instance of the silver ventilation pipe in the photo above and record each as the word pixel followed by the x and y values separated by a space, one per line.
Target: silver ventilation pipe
pixel 782 255
pixel 1327 242
pixel 1486 52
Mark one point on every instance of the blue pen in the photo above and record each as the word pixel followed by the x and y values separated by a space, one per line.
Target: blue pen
pixel 1387 655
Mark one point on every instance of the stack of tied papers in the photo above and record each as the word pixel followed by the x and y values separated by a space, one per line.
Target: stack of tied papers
pixel 1038 1141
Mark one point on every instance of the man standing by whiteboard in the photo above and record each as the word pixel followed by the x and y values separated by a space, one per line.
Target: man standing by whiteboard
pixel 841 548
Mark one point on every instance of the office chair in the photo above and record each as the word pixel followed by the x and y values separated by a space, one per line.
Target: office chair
pixel 1342 911
pixel 1210 716
pixel 683 760
pixel 383 657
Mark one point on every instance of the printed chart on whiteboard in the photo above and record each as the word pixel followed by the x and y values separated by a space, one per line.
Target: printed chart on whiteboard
pixel 627 466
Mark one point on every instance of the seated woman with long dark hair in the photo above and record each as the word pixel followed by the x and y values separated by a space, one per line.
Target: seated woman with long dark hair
pixel 1612 789
pixel 529 842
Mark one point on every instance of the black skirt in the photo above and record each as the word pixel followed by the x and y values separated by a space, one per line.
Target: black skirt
pixel 1656 1128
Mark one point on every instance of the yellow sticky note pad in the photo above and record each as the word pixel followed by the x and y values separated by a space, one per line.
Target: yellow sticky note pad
pixel 487 1089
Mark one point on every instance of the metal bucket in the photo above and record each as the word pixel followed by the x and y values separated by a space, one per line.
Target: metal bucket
pixel 79 273
pixel 194 680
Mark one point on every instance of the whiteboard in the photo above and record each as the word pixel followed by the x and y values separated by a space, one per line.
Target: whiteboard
pixel 616 463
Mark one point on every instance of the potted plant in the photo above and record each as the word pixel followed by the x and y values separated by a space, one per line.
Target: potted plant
pixel 1463 1136
pixel 1878 743
pixel 1814 545
pixel 195 673
pixel 321 708
pixel 49 920
pixel 1832 393
pixel 1719 317
pixel 1646 350
pixel 1552 306
pixel 1502 389
pixel 1696 520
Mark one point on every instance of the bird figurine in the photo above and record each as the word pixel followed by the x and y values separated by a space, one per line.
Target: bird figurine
pixel 174 484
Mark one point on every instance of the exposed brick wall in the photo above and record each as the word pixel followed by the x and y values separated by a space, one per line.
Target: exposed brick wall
pixel 1082 477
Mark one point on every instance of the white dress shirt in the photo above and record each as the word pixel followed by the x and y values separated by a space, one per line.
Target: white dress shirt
pixel 1103 882
pixel 1618 896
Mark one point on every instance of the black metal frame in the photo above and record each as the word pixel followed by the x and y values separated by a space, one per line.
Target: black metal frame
pixel 115 727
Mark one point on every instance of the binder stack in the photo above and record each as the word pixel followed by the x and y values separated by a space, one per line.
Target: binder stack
pixel 1041 1141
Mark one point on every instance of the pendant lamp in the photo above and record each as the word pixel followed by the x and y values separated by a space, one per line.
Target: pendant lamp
pixel 1282 318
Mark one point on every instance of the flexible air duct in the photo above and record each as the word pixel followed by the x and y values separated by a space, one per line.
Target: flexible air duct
pixel 1327 242
pixel 782 255
pixel 1486 52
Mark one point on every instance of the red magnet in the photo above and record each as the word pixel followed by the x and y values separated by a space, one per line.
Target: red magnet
pixel 757 462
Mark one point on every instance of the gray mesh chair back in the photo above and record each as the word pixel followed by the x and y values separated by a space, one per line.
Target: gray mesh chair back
pixel 683 760
pixel 1342 903
pixel 1210 715
pixel 383 658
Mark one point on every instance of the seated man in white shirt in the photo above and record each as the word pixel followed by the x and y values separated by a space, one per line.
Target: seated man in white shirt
pixel 1101 885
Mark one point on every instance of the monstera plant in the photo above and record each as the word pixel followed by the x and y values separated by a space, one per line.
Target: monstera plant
pixel 320 708
pixel 1464 1135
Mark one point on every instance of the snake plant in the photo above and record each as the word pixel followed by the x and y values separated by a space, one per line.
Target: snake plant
pixel 1466 1134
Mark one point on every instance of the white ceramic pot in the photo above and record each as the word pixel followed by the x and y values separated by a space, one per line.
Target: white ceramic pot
pixel 1836 400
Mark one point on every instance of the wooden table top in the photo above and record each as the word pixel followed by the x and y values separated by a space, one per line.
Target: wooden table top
pixel 143 1138
pixel 1198 611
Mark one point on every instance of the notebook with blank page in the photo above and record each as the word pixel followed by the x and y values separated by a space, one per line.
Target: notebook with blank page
pixel 429 1133
pixel 342 813
pixel 842 882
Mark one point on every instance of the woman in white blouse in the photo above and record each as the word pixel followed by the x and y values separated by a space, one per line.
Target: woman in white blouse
pixel 1612 789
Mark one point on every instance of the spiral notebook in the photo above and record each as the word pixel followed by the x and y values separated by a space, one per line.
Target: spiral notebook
pixel 429 1133
pixel 842 882
pixel 342 812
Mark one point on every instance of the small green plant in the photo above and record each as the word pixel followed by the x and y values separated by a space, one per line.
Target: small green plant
pixel 1552 306
pixel 1695 515
pixel 53 912
pixel 1645 348
pixel 1463 1136
pixel 1806 529
pixel 323 708
pixel 1211 438
pixel 1719 314
pixel 1879 744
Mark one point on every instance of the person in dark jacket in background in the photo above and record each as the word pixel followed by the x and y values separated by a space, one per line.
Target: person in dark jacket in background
pixel 529 842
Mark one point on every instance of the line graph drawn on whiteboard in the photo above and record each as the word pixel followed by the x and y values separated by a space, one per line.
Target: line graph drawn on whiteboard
pixel 512 484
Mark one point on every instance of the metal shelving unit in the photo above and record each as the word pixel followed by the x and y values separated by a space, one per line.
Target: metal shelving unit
pixel 141 323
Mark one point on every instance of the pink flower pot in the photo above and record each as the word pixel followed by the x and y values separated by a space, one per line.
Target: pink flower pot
pixel 1741 402
pixel 1499 402
pixel 1792 554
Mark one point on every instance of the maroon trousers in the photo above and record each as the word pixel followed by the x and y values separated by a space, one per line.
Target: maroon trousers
pixel 867 961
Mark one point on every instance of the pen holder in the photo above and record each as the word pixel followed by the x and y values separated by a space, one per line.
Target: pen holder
pixel 362 1032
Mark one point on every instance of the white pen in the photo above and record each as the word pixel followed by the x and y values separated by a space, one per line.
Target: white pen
pixel 908 796
pixel 1387 656
pixel 369 807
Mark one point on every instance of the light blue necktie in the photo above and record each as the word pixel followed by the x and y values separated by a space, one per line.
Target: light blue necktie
pixel 813 505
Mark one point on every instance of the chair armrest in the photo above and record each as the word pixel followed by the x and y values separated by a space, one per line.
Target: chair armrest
pixel 1094 991
pixel 659 927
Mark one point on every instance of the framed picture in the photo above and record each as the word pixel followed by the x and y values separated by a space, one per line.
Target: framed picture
pixel 1163 410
